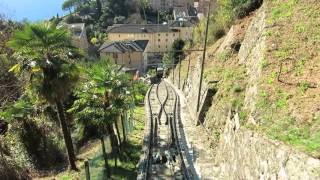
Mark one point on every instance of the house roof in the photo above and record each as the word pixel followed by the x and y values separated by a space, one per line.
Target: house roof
pixel 139 28
pixel 180 23
pixel 124 46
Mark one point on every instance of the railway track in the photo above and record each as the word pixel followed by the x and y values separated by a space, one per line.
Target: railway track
pixel 163 156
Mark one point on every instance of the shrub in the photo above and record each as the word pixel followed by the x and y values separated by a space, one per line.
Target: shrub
pixel 139 90
pixel 32 134
pixel 227 11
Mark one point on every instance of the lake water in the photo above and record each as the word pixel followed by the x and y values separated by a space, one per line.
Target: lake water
pixel 33 10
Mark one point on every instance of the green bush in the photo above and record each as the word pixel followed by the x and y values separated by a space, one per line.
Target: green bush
pixel 227 11
pixel 34 133
pixel 140 89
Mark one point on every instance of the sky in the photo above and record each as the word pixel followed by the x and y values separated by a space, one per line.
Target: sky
pixel 33 10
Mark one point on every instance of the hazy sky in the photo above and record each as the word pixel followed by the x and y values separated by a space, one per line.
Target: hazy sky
pixel 33 10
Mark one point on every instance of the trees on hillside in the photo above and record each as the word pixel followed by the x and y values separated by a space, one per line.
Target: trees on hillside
pixel 42 51
pixel 68 5
pixel 175 52
pixel 44 62
pixel 177 48
pixel 9 84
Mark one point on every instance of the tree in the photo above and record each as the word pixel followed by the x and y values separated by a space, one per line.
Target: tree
pixel 143 5
pixel 42 51
pixel 99 8
pixel 9 84
pixel 68 5
pixel 117 7
pixel 74 4
pixel 100 101
pixel 119 20
pixel 177 48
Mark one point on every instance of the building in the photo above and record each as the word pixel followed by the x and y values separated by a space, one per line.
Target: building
pixel 184 28
pixel 79 35
pixel 129 54
pixel 180 12
pixel 202 7
pixel 160 37
pixel 169 4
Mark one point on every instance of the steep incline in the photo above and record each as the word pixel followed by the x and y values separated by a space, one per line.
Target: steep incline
pixel 263 118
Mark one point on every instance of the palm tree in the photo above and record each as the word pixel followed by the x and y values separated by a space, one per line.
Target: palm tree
pixel 100 101
pixel 42 51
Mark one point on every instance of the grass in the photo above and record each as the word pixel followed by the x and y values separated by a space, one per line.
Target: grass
pixel 127 162
pixel 224 56
pixel 303 136
pixel 288 110
pixel 128 159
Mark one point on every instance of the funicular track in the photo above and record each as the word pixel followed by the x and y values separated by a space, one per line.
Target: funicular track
pixel 163 157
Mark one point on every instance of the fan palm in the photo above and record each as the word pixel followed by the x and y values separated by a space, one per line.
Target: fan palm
pixel 101 100
pixel 42 50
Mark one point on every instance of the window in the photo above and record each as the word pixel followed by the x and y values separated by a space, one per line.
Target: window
pixel 115 56
pixel 174 34
pixel 119 35
pixel 159 46
pixel 159 40
pixel 167 34
pixel 166 40
pixel 159 34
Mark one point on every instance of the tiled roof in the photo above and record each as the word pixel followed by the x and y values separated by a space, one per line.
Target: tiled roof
pixel 124 46
pixel 139 28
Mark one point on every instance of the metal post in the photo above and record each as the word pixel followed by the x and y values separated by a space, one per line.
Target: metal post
pixel 179 71
pixel 173 71
pixel 188 67
pixel 87 169
pixel 203 59
pixel 105 157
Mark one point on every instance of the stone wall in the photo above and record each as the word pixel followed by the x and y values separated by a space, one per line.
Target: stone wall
pixel 244 154
pixel 241 153
pixel 192 88
pixel 251 54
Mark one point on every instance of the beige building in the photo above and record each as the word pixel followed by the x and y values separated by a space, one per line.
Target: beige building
pixel 168 4
pixel 160 37
pixel 129 54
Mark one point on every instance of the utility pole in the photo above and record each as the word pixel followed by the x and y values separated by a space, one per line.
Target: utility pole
pixel 179 71
pixel 203 59
pixel 173 71
pixel 188 67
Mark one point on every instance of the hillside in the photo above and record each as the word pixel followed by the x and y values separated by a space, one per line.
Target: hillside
pixel 264 92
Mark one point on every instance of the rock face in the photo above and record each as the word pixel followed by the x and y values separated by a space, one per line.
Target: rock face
pixel 240 153
pixel 192 88
pixel 244 154
pixel 251 54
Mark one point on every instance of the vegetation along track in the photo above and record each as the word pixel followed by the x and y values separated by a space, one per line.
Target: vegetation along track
pixel 164 159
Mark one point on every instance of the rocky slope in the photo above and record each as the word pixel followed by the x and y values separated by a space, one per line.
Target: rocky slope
pixel 261 112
